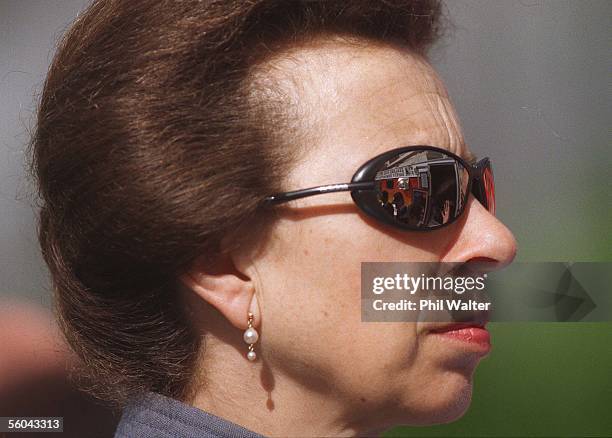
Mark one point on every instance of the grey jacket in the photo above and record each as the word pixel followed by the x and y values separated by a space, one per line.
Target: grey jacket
pixel 155 415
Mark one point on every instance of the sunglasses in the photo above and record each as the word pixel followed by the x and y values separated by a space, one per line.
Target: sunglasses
pixel 417 188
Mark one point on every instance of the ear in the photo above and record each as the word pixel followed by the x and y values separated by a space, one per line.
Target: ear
pixel 220 284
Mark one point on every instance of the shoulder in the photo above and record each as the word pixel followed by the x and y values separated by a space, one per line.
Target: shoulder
pixel 154 415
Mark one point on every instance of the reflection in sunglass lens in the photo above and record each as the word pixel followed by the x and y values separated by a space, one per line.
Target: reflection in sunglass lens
pixel 422 189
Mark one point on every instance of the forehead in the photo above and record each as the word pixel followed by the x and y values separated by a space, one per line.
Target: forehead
pixel 359 100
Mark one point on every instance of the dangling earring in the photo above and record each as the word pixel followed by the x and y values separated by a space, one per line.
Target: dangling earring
pixel 250 337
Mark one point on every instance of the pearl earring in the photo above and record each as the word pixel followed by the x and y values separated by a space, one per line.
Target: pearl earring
pixel 250 337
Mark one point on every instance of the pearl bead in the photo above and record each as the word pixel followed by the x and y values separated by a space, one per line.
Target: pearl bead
pixel 250 336
pixel 251 356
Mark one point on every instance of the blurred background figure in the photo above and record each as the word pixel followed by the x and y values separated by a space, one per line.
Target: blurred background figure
pixel 35 365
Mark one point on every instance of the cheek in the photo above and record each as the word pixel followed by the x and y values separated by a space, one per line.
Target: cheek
pixel 309 287
pixel 311 321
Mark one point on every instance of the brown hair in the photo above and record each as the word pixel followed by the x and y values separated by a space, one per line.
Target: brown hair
pixel 149 148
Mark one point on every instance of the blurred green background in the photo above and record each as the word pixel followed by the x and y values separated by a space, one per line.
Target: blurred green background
pixel 531 83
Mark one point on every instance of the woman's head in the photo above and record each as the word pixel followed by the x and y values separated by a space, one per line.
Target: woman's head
pixel 161 128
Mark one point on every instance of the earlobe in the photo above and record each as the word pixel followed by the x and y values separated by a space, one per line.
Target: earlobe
pixel 229 292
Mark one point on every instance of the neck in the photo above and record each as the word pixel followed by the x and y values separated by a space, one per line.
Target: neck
pixel 254 396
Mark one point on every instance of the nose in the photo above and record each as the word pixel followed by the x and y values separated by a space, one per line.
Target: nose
pixel 483 238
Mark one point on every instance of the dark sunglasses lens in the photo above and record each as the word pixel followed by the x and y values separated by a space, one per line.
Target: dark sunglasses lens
pixel 422 189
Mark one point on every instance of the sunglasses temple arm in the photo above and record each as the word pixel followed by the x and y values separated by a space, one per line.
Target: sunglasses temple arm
pixel 280 198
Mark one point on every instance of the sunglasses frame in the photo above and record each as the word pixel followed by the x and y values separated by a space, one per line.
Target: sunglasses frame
pixel 362 182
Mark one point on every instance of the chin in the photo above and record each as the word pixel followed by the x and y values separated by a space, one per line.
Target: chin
pixel 452 408
pixel 443 404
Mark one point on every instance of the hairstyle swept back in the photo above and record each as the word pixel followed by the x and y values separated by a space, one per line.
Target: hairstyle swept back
pixel 149 149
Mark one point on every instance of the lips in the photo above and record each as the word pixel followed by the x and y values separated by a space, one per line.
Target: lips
pixel 470 334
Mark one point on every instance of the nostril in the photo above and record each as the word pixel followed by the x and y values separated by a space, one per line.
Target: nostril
pixel 482 264
pixel 482 259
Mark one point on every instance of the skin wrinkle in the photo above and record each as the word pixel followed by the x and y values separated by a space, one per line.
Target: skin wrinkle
pixel 451 137
pixel 296 87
